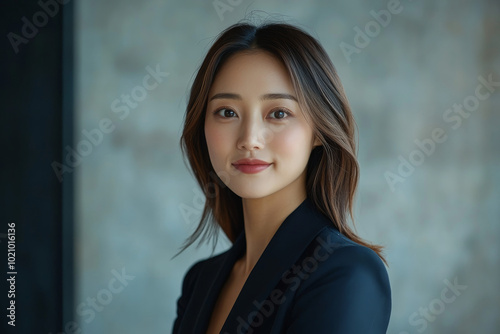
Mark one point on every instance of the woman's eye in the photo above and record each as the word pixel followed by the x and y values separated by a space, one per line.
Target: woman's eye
pixel 280 114
pixel 229 113
pixel 225 112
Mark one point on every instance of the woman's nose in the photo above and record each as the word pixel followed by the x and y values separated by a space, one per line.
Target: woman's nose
pixel 253 135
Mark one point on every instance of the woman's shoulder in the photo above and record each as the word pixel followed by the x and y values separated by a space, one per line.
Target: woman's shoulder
pixel 346 250
pixel 195 269
pixel 336 276
pixel 341 261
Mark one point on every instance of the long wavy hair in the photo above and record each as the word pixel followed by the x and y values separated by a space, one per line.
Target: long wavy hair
pixel 332 170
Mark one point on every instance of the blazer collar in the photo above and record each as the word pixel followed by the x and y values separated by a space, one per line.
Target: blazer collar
pixel 288 243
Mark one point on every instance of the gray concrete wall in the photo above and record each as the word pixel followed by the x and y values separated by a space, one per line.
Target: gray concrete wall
pixel 439 223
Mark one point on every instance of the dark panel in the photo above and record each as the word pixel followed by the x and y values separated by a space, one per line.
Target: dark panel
pixel 31 139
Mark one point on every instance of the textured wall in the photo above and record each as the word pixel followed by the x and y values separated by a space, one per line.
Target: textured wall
pixel 406 80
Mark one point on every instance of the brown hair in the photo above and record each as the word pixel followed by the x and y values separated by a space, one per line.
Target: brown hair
pixel 332 171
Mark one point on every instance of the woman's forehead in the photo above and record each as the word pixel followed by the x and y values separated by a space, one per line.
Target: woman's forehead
pixel 257 71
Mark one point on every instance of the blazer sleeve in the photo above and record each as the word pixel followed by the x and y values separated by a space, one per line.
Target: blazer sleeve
pixel 349 293
pixel 187 287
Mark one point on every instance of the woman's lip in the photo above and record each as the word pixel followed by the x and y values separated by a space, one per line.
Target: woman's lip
pixel 251 162
pixel 251 169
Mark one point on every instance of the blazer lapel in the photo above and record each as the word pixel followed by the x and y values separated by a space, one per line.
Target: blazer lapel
pixel 288 243
pixel 211 284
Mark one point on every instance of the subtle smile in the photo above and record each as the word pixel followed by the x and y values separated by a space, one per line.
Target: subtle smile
pixel 251 166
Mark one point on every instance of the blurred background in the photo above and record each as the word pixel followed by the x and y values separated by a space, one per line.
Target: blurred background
pixel 429 187
pixel 423 80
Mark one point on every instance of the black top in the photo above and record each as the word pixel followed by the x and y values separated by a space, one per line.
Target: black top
pixel 309 279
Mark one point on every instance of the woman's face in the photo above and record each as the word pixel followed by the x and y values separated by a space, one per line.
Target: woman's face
pixel 252 113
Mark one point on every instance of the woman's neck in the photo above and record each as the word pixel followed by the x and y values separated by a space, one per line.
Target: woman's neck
pixel 263 216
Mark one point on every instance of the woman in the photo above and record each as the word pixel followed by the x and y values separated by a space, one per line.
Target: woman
pixel 269 136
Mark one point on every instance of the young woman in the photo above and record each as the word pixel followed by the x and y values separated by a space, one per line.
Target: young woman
pixel 269 135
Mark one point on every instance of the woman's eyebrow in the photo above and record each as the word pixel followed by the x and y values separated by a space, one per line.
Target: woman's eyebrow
pixel 274 96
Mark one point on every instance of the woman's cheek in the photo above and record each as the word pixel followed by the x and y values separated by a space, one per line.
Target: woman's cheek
pixel 216 139
pixel 213 140
pixel 291 141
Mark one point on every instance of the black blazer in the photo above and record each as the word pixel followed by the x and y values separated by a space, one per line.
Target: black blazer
pixel 309 279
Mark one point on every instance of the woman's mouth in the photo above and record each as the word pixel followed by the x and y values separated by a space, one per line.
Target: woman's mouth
pixel 251 166
pixel 251 169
